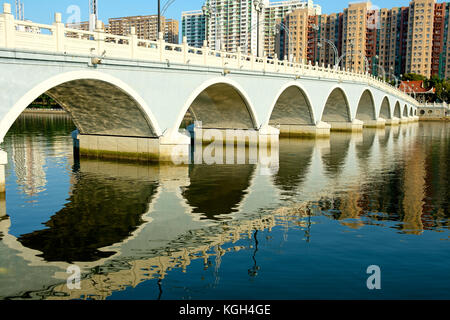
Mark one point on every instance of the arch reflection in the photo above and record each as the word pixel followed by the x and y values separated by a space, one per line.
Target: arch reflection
pixel 216 191
pixel 295 161
pixel 334 158
pixel 102 210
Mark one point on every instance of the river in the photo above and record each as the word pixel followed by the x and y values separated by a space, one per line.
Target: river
pixel 308 228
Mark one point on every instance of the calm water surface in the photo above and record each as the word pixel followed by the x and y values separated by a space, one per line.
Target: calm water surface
pixel 308 228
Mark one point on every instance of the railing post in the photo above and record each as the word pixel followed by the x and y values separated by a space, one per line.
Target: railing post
pixel 100 37
pixel 205 52
pixel 59 33
pixel 275 62
pixel 185 50
pixel 222 55
pixel 133 42
pixel 239 57
pixel 9 28
pixel 161 45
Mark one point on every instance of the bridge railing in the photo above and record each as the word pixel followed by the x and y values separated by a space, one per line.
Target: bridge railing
pixel 16 34
pixel 435 105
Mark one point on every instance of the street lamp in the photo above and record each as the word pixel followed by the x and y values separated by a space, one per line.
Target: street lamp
pixel 159 17
pixel 336 52
pixel 259 7
pixel 290 43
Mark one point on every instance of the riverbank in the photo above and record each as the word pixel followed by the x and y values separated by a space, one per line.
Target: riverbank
pixel 429 119
pixel 44 111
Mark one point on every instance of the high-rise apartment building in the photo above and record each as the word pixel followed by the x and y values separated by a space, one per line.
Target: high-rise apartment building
pixel 146 27
pixel 328 40
pixel 171 31
pixel 440 40
pixel 296 36
pixel 390 42
pixel 194 27
pixel 385 42
pixel 420 37
pixel 275 29
pixel 445 72
pixel 233 24
pixel 254 26
pixel 355 36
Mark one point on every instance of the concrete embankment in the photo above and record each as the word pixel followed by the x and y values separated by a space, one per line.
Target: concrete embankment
pixel 44 111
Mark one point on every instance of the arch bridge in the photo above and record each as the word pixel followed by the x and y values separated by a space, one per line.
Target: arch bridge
pixel 128 97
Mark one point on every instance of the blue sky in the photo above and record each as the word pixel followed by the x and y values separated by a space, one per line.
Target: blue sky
pixel 42 10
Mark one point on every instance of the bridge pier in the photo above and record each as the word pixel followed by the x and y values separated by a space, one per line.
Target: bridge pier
pixel 404 120
pixel 393 122
pixel 321 129
pixel 3 163
pixel 379 123
pixel 163 149
pixel 247 136
pixel 222 145
pixel 2 206
pixel 355 126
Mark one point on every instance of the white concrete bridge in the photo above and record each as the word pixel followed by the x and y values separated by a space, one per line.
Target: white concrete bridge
pixel 128 97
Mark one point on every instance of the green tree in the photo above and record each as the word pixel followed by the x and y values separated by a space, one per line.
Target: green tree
pixel 413 77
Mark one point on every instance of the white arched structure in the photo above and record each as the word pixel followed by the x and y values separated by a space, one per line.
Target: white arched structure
pixel 292 112
pixel 235 86
pixel 65 78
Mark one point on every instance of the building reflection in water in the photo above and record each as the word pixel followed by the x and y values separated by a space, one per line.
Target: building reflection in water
pixel 29 164
pixel 398 192
pixel 24 146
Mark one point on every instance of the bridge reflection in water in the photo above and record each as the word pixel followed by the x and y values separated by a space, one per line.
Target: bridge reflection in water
pixel 125 223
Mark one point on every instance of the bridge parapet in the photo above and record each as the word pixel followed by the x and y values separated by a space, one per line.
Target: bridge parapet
pixel 26 35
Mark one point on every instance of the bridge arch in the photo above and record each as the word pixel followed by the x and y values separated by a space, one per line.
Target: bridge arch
pixel 292 106
pixel 337 107
pixel 411 112
pixel 385 110
pixel 405 111
pixel 397 110
pixel 220 103
pixel 96 101
pixel 366 107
